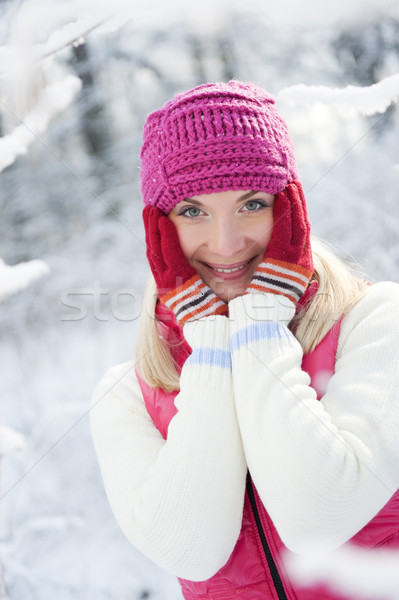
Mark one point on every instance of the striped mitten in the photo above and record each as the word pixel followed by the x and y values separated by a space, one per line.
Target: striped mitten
pixel 179 286
pixel 287 264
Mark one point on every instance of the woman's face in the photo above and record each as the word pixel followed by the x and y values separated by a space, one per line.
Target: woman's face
pixel 224 236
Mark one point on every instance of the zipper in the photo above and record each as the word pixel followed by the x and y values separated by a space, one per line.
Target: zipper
pixel 278 584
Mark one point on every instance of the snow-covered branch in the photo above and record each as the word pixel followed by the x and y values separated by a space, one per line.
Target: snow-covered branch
pixel 66 24
pixel 100 17
pixel 53 99
pixel 365 100
pixel 17 277
pixel 353 572
pixel 32 90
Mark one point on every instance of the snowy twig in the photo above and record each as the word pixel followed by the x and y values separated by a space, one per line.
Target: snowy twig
pixel 25 97
pixel 17 277
pixel 100 20
pixel 75 35
pixel 366 100
pixel 71 23
pixel 53 99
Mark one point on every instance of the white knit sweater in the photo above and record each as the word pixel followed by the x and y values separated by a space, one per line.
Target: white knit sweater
pixel 323 469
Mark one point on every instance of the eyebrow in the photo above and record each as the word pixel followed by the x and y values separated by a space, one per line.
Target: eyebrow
pixel 239 199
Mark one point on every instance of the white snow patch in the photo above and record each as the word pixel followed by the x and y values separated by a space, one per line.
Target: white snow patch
pixel 53 99
pixel 359 573
pixel 10 440
pixel 365 100
pixel 17 277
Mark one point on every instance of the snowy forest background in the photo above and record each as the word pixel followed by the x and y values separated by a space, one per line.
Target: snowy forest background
pixel 71 199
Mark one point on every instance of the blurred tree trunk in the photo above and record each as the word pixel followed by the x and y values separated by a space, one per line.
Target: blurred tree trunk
pixel 94 121
pixel 226 52
pixel 363 54
pixel 197 53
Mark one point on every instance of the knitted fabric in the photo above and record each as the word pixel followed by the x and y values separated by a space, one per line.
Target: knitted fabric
pixel 214 138
pixel 161 493
pixel 287 265
pixel 179 287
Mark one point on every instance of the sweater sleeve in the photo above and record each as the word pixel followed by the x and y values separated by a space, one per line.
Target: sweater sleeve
pixel 322 469
pixel 178 501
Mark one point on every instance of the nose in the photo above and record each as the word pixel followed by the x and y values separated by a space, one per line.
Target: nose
pixel 227 239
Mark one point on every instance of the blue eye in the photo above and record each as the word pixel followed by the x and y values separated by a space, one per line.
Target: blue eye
pixel 191 212
pixel 254 205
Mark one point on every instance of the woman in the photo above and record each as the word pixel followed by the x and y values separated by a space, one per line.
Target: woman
pixel 262 411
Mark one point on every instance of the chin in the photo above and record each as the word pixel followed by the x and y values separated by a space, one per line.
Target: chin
pixel 235 295
pixel 226 290
pixel 228 294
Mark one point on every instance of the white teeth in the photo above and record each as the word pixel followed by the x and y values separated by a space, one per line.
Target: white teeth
pixel 229 270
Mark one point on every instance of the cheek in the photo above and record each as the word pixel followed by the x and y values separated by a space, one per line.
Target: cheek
pixel 185 235
pixel 188 241
pixel 263 232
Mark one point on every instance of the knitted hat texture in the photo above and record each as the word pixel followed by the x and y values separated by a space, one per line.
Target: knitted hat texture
pixel 214 138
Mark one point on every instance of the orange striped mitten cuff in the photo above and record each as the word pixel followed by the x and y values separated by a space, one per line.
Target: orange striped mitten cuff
pixel 279 277
pixel 193 300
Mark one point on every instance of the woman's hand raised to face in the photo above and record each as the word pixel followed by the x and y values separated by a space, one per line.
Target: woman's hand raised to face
pixel 179 286
pixel 287 264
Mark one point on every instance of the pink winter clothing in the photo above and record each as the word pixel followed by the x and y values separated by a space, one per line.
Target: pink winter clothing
pixel 216 137
pixel 255 569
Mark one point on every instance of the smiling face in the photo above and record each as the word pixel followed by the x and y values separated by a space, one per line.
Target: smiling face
pixel 224 236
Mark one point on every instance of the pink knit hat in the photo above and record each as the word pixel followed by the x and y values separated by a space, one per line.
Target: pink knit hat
pixel 216 137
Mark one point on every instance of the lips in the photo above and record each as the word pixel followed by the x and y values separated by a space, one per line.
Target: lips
pixel 229 272
pixel 232 270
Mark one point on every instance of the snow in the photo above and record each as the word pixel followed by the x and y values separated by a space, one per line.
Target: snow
pixel 79 210
pixel 10 441
pixel 364 574
pixel 324 13
pixel 365 100
pixel 53 99
pixel 17 277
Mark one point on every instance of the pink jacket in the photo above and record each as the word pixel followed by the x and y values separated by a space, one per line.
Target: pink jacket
pixel 254 569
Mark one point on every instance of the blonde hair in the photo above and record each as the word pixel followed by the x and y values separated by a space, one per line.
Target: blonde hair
pixel 340 287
